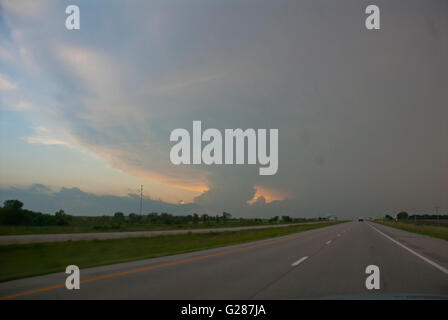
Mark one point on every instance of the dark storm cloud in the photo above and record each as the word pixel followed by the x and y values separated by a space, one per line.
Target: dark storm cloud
pixel 362 115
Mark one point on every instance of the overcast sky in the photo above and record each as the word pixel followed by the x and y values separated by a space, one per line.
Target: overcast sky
pixel 362 115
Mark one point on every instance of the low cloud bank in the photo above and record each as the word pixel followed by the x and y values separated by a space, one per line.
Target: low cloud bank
pixel 77 202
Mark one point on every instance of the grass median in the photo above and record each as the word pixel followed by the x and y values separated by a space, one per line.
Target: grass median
pixel 26 260
pixel 90 227
pixel 432 231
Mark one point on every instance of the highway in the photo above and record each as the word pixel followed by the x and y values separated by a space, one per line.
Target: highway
pixel 61 237
pixel 326 263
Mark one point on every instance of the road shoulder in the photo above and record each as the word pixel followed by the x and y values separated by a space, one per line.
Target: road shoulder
pixel 430 247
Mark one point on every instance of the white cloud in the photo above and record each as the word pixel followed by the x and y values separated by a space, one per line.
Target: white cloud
pixel 46 137
pixel 5 84
pixel 25 8
pixel 23 106
pixel 45 140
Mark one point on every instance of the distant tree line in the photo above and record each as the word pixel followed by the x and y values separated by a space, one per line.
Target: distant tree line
pixel 166 218
pixel 12 213
pixel 403 215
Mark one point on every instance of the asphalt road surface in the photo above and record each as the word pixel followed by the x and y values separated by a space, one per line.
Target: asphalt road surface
pixel 60 237
pixel 321 263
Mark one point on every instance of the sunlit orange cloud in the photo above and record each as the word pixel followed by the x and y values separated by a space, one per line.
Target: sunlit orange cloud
pixel 171 189
pixel 268 194
pixel 184 184
pixel 175 193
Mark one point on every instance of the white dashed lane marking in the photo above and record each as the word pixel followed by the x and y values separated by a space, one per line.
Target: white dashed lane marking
pixel 299 261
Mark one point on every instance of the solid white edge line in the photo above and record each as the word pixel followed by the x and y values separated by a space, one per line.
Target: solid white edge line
pixel 299 261
pixel 434 264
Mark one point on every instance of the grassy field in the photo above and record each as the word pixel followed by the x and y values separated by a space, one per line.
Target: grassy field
pixel 90 228
pixel 26 260
pixel 432 231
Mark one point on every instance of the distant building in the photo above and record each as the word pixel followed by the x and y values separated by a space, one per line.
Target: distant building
pixel 332 217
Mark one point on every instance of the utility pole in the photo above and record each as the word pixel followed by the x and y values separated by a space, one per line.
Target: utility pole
pixel 141 198
pixel 437 214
